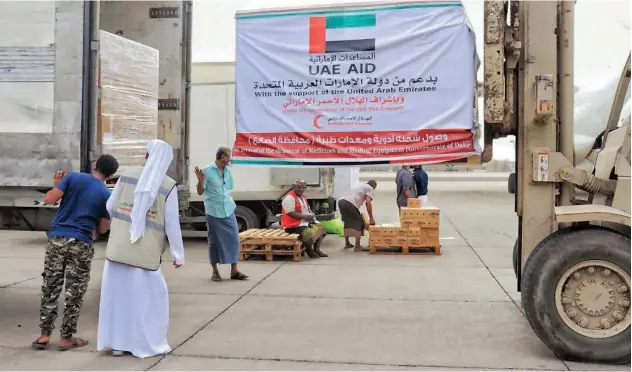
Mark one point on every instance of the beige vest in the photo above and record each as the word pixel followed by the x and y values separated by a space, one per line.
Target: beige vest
pixel 147 252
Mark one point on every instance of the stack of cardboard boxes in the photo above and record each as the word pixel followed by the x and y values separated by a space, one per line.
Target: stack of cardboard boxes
pixel 418 228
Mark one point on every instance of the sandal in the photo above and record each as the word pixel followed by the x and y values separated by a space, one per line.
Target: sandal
pixel 76 343
pixel 361 249
pixel 238 276
pixel 37 345
pixel 216 278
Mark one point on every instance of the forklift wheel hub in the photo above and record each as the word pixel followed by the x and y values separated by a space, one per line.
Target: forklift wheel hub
pixel 593 299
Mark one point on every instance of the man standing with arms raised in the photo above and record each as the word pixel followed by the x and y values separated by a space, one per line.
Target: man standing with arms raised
pixel 215 182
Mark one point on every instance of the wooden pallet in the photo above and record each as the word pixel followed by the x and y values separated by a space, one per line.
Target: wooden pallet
pixel 405 250
pixel 269 242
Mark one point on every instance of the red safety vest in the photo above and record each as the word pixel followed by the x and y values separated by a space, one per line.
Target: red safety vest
pixel 287 221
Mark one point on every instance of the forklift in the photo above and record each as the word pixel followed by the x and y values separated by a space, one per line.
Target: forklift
pixel 572 255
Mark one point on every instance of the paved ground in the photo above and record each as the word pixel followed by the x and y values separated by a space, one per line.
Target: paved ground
pixel 440 176
pixel 351 311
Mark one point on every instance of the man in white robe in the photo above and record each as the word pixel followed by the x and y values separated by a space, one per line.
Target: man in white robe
pixel 134 309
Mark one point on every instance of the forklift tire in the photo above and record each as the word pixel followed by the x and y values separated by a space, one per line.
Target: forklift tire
pixel 553 279
pixel 246 218
pixel 511 183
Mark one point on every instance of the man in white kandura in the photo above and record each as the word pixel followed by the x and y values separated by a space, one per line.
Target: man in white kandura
pixel 134 310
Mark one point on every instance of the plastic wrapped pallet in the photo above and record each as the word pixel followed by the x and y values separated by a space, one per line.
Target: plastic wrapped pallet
pixel 129 98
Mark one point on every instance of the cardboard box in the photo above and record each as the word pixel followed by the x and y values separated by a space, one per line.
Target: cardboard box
pixel 383 241
pixel 413 203
pixel 402 232
pixel 383 231
pixel 414 232
pixel 423 217
pixel 423 224
pixel 410 223
pixel 414 241
pixel 419 213
pixel 430 234
pixel 425 238
pixel 400 241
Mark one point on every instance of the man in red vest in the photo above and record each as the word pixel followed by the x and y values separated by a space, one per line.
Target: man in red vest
pixel 298 218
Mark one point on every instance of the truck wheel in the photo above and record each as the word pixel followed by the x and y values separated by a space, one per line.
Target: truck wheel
pixel 511 183
pixel 199 226
pixel 246 218
pixel 576 294
pixel 516 258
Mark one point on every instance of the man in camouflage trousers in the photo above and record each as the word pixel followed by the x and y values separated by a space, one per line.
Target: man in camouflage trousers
pixel 75 271
pixel 69 250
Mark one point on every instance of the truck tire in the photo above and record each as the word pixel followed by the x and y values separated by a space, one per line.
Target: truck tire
pixel 516 258
pixel 246 218
pixel 199 226
pixel 511 183
pixel 576 294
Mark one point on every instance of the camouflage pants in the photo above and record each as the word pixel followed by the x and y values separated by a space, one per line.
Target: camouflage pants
pixel 66 259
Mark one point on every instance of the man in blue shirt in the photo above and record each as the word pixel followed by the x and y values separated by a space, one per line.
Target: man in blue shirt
pixel 69 250
pixel 421 181
pixel 216 183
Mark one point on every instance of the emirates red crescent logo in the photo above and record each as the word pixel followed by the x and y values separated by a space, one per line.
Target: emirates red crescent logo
pixel 315 122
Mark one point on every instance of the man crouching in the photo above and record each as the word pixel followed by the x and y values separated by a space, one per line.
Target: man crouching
pixel 298 218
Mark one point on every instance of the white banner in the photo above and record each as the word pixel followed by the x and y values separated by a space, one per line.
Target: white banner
pixel 362 85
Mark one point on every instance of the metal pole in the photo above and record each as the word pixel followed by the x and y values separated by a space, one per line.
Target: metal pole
pixel 86 124
pixel 619 100
pixel 567 91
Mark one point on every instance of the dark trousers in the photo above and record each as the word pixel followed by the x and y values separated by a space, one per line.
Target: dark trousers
pixel 67 261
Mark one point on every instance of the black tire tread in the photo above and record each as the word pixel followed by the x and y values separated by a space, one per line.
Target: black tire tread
pixel 554 235
pixel 248 215
pixel 565 248
pixel 516 258
pixel 511 183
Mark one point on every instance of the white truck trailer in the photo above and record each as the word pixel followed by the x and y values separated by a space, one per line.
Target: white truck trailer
pixel 49 89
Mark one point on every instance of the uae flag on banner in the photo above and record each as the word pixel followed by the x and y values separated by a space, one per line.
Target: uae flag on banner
pixel 340 34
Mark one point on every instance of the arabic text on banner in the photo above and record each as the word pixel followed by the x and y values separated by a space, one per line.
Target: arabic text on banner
pixel 355 86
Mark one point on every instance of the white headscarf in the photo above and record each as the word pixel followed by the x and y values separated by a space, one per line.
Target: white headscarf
pixel 154 171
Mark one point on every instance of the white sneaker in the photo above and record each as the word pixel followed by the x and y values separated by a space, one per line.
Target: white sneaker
pixel 118 353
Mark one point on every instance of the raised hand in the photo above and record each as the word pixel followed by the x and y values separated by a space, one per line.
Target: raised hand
pixel 57 177
pixel 199 174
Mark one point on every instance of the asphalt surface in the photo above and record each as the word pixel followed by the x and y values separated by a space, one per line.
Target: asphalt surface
pixel 351 311
pixel 438 176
